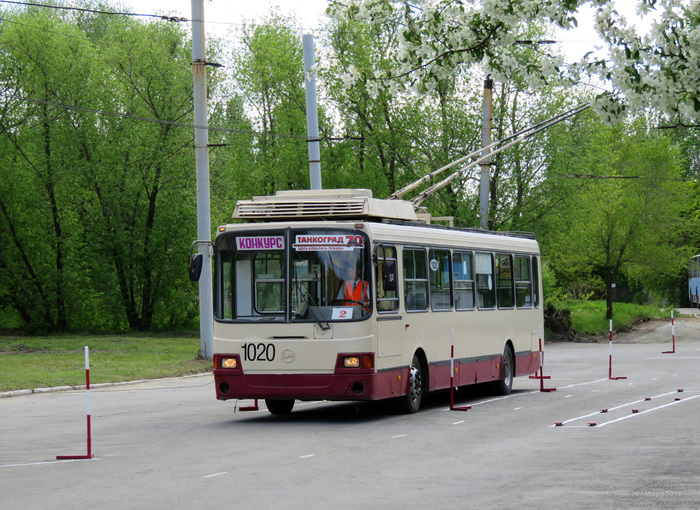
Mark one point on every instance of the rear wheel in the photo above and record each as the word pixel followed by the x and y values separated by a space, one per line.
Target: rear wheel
pixel 410 403
pixel 505 383
pixel 279 406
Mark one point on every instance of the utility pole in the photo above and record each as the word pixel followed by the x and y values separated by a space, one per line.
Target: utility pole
pixel 486 164
pixel 201 150
pixel 311 114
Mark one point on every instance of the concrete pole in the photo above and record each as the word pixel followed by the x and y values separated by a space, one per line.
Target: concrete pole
pixel 312 114
pixel 201 150
pixel 486 165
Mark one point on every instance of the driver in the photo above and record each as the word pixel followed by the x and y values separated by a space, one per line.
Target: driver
pixel 354 290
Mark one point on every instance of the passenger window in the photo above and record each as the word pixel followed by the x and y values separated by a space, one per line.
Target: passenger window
pixel 504 280
pixel 463 281
pixel 387 295
pixel 486 292
pixel 440 287
pixel 415 280
pixel 523 283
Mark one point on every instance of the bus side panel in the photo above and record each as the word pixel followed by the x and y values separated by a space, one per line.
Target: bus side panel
pixel 527 363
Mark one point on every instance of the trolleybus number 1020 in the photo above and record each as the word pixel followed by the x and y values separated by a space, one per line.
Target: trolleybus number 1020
pixel 258 352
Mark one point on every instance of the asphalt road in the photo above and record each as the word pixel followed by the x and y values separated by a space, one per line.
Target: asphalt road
pixel 170 444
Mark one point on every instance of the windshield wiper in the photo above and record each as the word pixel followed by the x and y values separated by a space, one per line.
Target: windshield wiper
pixel 307 297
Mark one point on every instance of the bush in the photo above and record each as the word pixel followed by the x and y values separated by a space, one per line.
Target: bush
pixel 557 320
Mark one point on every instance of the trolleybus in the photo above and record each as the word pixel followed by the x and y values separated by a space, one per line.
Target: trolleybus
pixel 694 282
pixel 291 324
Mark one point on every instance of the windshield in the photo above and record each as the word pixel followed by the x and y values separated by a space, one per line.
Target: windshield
pixel 298 275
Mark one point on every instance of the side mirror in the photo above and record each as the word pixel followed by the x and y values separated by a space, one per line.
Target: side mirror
pixel 196 267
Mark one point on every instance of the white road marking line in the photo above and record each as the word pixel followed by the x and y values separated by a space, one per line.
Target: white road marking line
pixel 648 410
pixel 458 422
pixel 616 408
pixel 45 463
pixel 581 384
pixel 307 456
pixel 399 436
pixel 217 474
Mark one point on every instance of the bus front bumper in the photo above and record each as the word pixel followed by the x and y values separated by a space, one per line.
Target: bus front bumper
pixel 342 384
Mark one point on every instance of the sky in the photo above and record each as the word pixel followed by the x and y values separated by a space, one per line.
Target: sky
pixel 219 15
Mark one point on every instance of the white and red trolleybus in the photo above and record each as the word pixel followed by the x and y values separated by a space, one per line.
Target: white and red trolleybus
pixel 286 329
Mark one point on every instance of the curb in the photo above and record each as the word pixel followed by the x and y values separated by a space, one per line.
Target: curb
pixel 56 389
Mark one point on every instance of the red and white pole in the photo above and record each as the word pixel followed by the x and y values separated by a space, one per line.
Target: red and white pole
pixel 540 371
pixel 673 336
pixel 610 364
pixel 452 378
pixel 87 396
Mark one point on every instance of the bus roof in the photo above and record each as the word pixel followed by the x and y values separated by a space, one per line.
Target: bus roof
pixel 322 204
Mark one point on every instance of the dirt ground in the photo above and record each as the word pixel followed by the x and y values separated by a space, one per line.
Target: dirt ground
pixel 686 326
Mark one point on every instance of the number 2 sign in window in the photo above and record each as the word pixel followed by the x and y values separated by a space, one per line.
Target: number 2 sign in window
pixel 342 313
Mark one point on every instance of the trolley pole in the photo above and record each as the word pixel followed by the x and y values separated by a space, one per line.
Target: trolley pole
pixel 485 143
pixel 201 149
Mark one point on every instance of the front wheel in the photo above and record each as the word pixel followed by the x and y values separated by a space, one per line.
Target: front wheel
pixel 505 383
pixel 279 406
pixel 410 403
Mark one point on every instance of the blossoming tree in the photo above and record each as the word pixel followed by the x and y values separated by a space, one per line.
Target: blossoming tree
pixel 660 69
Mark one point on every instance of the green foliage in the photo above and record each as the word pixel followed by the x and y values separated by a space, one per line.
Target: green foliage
pixel 98 209
pixel 620 210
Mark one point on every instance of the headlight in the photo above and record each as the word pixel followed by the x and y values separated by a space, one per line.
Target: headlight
pixel 229 363
pixel 358 361
pixel 351 362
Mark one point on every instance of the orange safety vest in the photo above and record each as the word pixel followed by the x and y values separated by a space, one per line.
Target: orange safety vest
pixel 359 293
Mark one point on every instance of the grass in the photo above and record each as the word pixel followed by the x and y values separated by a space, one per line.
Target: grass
pixel 588 317
pixel 45 361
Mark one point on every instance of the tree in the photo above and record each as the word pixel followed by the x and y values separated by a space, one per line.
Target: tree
pixel 626 214
pixel 269 75
pixel 661 69
pixel 96 194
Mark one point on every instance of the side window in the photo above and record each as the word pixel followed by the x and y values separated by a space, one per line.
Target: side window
pixel 504 280
pixel 536 283
pixel 440 287
pixel 463 281
pixel 523 283
pixel 486 292
pixel 387 295
pixel 415 280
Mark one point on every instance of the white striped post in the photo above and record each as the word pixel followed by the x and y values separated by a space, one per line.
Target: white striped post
pixel 87 396
pixel 610 364
pixel 452 378
pixel 673 336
